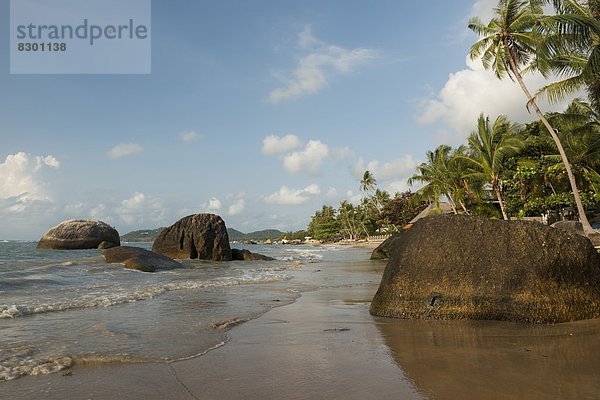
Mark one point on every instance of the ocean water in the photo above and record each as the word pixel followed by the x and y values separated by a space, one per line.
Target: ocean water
pixel 63 307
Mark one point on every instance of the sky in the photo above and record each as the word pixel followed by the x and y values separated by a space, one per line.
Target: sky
pixel 258 111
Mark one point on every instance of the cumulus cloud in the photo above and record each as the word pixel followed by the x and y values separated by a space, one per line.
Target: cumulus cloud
pixel 473 91
pixel 319 62
pixel 189 136
pixel 21 181
pixel 308 160
pixel 213 205
pixel 484 9
pixel 276 145
pixel 354 198
pixel 138 209
pixel 292 197
pixel 124 149
pixel 332 193
pixel 397 187
pixel 398 168
pixel 237 207
pixel 48 161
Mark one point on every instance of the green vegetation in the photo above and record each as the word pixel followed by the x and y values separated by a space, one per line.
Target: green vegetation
pixel 144 235
pixel 272 234
pixel 377 214
pixel 520 37
pixel 550 167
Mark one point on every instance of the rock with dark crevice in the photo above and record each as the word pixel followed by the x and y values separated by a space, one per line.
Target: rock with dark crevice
pixel 198 236
pixel 456 267
pixel 80 234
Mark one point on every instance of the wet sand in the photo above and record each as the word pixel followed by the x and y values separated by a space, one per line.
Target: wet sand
pixel 327 346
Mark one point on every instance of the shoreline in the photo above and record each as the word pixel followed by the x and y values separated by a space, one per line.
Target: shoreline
pixel 325 344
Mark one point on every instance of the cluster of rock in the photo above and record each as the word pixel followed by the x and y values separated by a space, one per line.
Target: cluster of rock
pixel 198 236
pixel 450 267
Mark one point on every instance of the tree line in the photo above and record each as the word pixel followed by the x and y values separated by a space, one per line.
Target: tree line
pixel 505 169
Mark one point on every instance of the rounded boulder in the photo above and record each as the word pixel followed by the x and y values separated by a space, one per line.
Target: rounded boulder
pixel 80 234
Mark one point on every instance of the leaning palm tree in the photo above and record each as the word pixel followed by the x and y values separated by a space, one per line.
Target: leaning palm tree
pixel 571 49
pixel 490 147
pixel 508 43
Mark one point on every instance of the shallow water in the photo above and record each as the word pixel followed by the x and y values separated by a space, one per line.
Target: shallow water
pixel 59 307
pixel 497 360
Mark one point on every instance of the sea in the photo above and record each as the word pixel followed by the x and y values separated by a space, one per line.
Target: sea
pixel 60 307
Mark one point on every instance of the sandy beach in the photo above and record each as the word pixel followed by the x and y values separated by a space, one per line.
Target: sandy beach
pixel 326 345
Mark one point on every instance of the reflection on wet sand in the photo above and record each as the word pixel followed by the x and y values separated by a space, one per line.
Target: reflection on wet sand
pixel 497 360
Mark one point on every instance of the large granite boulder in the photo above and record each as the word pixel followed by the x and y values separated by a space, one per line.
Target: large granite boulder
pixel 140 259
pixel 451 267
pixel 382 252
pixel 247 255
pixel 574 226
pixel 202 236
pixel 80 234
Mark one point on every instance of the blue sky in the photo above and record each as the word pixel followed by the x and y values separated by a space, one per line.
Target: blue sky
pixel 258 111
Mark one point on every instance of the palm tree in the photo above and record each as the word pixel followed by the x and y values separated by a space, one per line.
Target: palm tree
pixel 571 49
pixel 490 146
pixel 368 182
pixel 580 131
pixel 508 42
pixel 438 179
pixel 347 217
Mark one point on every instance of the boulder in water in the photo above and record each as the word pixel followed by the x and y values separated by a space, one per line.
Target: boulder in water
pixel 80 234
pixel 140 259
pixel 202 236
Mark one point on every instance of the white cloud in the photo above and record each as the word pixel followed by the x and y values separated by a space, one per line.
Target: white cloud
pixel 124 149
pixel 99 212
pixel 320 62
pixel 398 168
pixel 341 153
pixel 236 207
pixel 276 145
pixel 308 160
pixel 353 198
pixel 49 161
pixel 213 205
pixel 138 209
pixel 20 178
pixel 332 193
pixel 292 197
pixel 397 187
pixel 473 91
pixel 189 136
pixel 484 9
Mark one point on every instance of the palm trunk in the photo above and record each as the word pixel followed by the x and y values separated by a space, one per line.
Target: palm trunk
pixel 587 228
pixel 501 201
pixel 454 210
